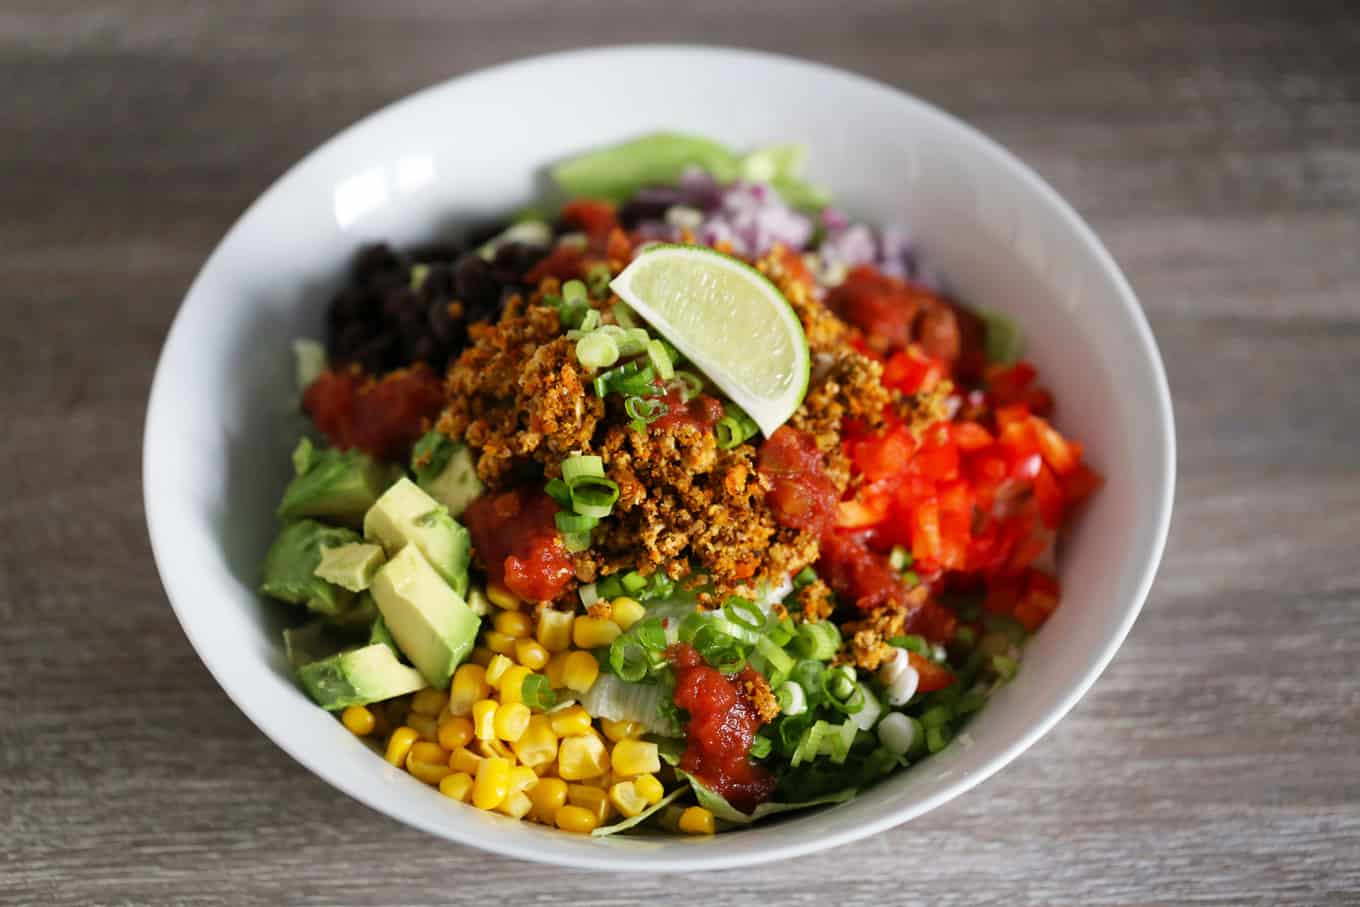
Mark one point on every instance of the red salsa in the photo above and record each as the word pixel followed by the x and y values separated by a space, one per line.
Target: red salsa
pixel 721 725
pixel 382 417
pixel 515 538
pixel 702 411
pixel 801 495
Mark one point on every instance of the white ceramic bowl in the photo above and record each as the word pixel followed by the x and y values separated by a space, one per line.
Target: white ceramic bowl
pixel 221 419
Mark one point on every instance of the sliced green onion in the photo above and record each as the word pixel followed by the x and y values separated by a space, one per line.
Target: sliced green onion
pixel 820 640
pixel 760 747
pixel 965 636
pixel 804 577
pixel 690 384
pixel 536 692
pixel 644 409
pixel 594 496
pixel 576 542
pixel 938 716
pixel 780 630
pixel 589 594
pixel 744 613
pixel 591 321
pixel 792 700
pixel 912 643
pixel 1004 666
pixel 559 492
pixel 780 661
pixel 632 341
pixel 573 290
pixel 610 587
pixel 808 675
pixel 937 738
pixel 691 625
pixel 572 312
pixel 900 558
pixel 624 315
pixel 911 579
pixel 597 280
pixel 641 383
pixel 596 350
pixel 628 659
pixel 734 427
pixel 580 466
pixel 970 702
pixel 661 360
pixel 839 683
pixel 633 582
pixel 574 522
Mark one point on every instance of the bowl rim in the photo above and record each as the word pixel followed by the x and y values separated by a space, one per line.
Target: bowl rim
pixel 705 858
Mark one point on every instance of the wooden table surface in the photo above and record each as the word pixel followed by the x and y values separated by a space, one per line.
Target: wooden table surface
pixel 1215 147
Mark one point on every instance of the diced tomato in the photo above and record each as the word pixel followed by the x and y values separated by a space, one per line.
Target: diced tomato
pixel 970 436
pixel 592 217
pixel 911 371
pixel 801 495
pixel 956 522
pixel 870 506
pixel 1039 601
pixel 935 622
pixel 937 458
pixel 933 675
pixel 382 417
pixel 925 531
pixel 1049 496
pixel 1059 453
pixel 517 542
pixel 1080 484
pixel 879 457
pixel 563 262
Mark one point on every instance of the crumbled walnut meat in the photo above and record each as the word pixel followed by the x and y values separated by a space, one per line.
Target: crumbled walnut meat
pixel 602 610
pixel 761 697
pixel 816 600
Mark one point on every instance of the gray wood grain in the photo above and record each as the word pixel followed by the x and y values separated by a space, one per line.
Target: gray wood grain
pixel 1214 145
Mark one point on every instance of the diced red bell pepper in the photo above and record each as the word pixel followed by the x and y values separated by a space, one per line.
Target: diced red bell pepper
pixel 1049 497
pixel 1080 484
pixel 592 217
pixel 883 456
pixel 970 436
pixel 925 531
pixel 1040 599
pixel 1060 454
pixel 933 676
pixel 911 371
pixel 937 458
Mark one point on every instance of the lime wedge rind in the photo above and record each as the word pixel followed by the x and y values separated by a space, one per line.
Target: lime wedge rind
pixel 729 320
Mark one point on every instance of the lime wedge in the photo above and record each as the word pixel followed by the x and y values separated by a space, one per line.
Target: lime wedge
pixel 727 319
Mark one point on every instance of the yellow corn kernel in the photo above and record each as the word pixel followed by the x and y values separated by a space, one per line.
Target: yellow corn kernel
pixel 429 772
pixel 538 744
pixel 429 701
pixel 494 748
pixel 549 795
pixel 649 789
pixel 594 632
pixel 358 720
pixel 399 744
pixel 492 783
pixel 635 757
pixel 515 624
pixel 496 670
pixel 484 719
pixel 581 757
pixel 575 819
pixel 522 778
pixel 595 799
pixel 580 670
pixel 464 760
pixel 516 805
pixel 696 821
pixel 621 730
pixel 455 732
pixel 499 642
pixel 511 684
pixel 554 629
pixel 426 726
pixel 555 668
pixel 502 598
pixel 626 799
pixel 511 721
pixel 431 753
pixel 570 722
pixel 482 656
pixel 469 685
pixel 530 654
pixel 457 786
pixel 626 611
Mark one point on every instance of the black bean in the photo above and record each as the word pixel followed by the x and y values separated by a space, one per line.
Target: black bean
pixel 374 259
pixel 472 280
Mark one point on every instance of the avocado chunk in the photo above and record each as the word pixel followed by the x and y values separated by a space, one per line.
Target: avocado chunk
pixel 351 566
pixel 336 485
pixel 290 567
pixel 361 613
pixel 311 642
pixel 380 633
pixel 370 673
pixel 445 471
pixel 406 514
pixel 431 623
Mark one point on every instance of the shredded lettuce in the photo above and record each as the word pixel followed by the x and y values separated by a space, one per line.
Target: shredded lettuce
pixel 717 804
pixel 616 699
pixel 641 817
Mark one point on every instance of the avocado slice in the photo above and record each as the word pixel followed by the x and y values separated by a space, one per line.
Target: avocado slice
pixel 337 485
pixel 445 471
pixel 290 567
pixel 380 633
pixel 359 676
pixel 406 514
pixel 431 623
pixel 361 613
pixel 351 566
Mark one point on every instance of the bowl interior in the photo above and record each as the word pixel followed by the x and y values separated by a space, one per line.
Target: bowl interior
pixel 222 418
